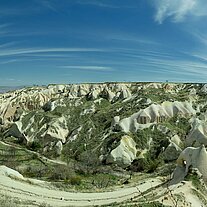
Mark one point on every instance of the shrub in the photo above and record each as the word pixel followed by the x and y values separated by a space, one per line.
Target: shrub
pixel 152 204
pixel 145 164
pixel 6 201
pixel 61 173
pixel 75 180
pixel 35 146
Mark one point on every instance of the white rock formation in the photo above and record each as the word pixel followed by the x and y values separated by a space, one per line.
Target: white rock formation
pixel 10 172
pixel 204 88
pixel 163 129
pixel 90 110
pixel 125 153
pixel 115 121
pixel 74 135
pixel 155 114
pixel 59 148
pixel 57 129
pixel 36 97
pixel 198 133
pixel 176 139
pixel 52 105
pixel 194 158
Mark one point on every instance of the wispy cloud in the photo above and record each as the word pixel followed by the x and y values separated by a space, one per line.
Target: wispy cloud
pixel 11 52
pixel 178 10
pixel 9 79
pixel 4 29
pixel 200 36
pixel 130 39
pixel 8 44
pixel 4 26
pixel 202 57
pixel 47 4
pixel 184 66
pixel 22 9
pixel 49 55
pixel 98 3
pixel 110 4
pixel 180 67
pixel 8 61
pixel 92 68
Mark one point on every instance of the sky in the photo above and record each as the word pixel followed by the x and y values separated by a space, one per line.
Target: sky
pixel 79 41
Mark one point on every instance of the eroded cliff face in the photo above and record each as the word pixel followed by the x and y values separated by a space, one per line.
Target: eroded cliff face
pixel 115 123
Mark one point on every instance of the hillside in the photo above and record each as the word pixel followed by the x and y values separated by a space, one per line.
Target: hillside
pixel 104 137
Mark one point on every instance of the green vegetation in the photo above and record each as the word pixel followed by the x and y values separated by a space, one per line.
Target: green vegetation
pixel 153 140
pixel 85 183
pixel 196 181
pixel 27 163
pixel 160 95
pixel 91 138
pixel 200 188
pixel 151 204
pixel 6 201
pixel 178 125
pixel 137 204
pixel 35 146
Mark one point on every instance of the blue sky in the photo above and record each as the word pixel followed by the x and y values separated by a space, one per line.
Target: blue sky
pixel 72 41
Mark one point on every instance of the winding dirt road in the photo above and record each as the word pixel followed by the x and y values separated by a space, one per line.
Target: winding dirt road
pixel 37 194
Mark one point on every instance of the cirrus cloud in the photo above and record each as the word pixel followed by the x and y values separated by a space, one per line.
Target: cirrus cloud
pixel 178 10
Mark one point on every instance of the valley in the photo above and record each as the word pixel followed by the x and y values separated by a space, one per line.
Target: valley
pixel 104 144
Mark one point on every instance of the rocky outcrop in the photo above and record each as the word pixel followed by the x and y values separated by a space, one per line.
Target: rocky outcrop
pixel 57 129
pixel 125 153
pixel 74 134
pixel 90 110
pixel 37 97
pixel 7 110
pixel 53 148
pixel 59 148
pixel 8 172
pixel 176 139
pixel 41 128
pixel 198 133
pixel 191 157
pixel 172 152
pixel 156 113
pixel 53 104
pixel 204 88
pixel 174 149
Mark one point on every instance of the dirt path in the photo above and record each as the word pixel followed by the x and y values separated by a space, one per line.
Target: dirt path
pixel 180 194
pixel 37 195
